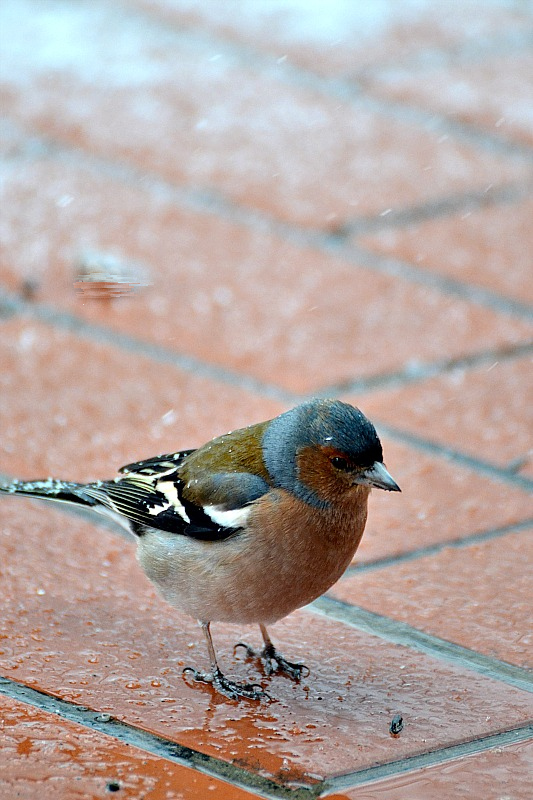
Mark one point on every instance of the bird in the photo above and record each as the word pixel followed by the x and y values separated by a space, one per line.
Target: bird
pixel 248 527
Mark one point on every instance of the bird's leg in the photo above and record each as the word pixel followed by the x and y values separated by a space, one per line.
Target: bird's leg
pixel 269 654
pixel 231 689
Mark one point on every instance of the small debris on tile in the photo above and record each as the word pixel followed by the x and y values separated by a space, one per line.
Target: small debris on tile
pixel 518 464
pixel 396 726
pixel 29 289
pixel 104 276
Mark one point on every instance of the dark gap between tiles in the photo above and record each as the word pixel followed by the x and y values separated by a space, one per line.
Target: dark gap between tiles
pixel 438 123
pixel 422 372
pixel 404 634
pixel 99 334
pixel 411 763
pixel 441 283
pixel 350 91
pixel 439 208
pixel 100 521
pixel 11 305
pixel 210 201
pixel 376 624
pixel 432 549
pixel 469 53
pixel 235 775
pixel 449 454
pixel 472 52
pixel 152 743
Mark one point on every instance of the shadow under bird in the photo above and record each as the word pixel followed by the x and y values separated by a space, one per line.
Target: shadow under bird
pixel 250 526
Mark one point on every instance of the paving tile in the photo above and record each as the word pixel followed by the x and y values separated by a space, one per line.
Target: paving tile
pixel 504 772
pixel 79 409
pixel 67 760
pixel 231 295
pixel 493 94
pixel 81 622
pixel 210 98
pixel 346 37
pixel 439 502
pixel 484 412
pixel 62 396
pixel 479 596
pixel 490 247
pixel 128 89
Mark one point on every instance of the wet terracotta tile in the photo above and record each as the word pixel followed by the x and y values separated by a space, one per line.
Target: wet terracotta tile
pixel 181 93
pixel 345 38
pixel 130 90
pixel 493 94
pixel 232 296
pixel 439 502
pixel 484 412
pixel 63 759
pixel 504 772
pixel 115 407
pixel 479 596
pixel 80 409
pixel 490 248
pixel 80 621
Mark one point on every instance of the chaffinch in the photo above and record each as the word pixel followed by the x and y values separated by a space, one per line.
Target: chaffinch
pixel 251 525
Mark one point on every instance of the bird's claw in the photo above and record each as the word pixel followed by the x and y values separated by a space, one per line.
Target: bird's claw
pixel 294 670
pixel 269 655
pixel 227 687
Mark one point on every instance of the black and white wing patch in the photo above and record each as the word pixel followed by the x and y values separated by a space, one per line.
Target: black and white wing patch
pixel 159 465
pixel 150 493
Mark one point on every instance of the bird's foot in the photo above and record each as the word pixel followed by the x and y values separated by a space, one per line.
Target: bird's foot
pixel 227 687
pixel 274 662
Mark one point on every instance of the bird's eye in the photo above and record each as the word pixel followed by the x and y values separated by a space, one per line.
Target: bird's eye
pixel 341 463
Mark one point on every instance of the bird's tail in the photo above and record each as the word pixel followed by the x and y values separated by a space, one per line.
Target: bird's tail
pixel 50 489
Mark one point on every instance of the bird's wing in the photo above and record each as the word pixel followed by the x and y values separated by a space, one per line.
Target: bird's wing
pixel 153 493
pixel 157 464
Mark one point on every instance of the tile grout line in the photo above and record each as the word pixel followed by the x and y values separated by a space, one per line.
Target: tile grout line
pixel 99 521
pixel 426 371
pixel 188 757
pixel 383 626
pixel 450 454
pixel 429 759
pixel 238 776
pixel 351 91
pixel 209 201
pixel 441 207
pixel 11 305
pixel 432 549
pixel 401 633
pixel 437 281
pixel 151 742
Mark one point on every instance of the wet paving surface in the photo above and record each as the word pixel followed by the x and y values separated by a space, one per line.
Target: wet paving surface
pixel 210 212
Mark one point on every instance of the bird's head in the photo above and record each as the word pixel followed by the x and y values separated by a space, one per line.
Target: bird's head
pixel 324 449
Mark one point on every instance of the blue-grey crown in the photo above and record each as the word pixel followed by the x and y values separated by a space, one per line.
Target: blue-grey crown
pixel 322 423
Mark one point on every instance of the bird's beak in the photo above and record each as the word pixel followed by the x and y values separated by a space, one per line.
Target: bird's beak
pixel 378 476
